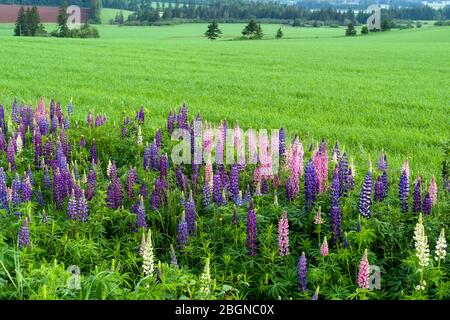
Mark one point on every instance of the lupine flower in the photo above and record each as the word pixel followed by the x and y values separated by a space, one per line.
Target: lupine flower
pixel 16 195
pixel 3 191
pixel 283 235
pixel 170 123
pixel 26 190
pixel 143 190
pixel 433 190
pixel 365 197
pixel 72 207
pixel 163 165
pixel 47 180
pixel 363 272
pixel 132 178
pixel 405 167
pixel 93 151
pixel 182 234
pixel 335 155
pixel 295 157
pixel 190 214
pixel 251 230
pixel 206 194
pixel 421 243
pixel 301 270
pixel 318 217
pixel 403 191
pixel 379 189
pixel 384 179
pixel 235 216
pixel 114 191
pixel 344 174
pixel 3 145
pixel 39 197
pixel 2 119
pixel 205 279
pixel 234 182
pixel 311 186
pixel 147 157
pixel 320 161
pixel 140 115
pixel 173 257
pixel 427 204
pixel 382 162
pixel 154 155
pixel 282 142
pixel 182 117
pixel 140 214
pixel 11 153
pixel 247 195
pixel 24 235
pixel 149 264
pixel 217 190
pixel 91 182
pixel 417 197
pixel 15 112
pixel 441 247
pixel 324 247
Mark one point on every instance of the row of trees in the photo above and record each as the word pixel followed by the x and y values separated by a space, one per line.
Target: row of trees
pixel 252 30
pixel 28 23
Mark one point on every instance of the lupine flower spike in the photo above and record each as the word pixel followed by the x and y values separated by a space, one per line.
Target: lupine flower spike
pixel 324 247
pixel 363 272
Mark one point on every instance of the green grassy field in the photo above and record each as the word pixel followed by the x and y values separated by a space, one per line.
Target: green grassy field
pixel 108 14
pixel 386 90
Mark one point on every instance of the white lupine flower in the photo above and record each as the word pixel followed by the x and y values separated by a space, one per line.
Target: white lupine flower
pixel 205 279
pixel 19 144
pixel 139 136
pixel 108 168
pixel 422 285
pixel 84 177
pixel 441 247
pixel 421 244
pixel 143 246
pixel 149 263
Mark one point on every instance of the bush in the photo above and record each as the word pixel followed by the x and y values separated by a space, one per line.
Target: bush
pixel 418 24
pixel 364 30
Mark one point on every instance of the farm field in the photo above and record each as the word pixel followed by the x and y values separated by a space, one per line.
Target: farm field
pixel 89 184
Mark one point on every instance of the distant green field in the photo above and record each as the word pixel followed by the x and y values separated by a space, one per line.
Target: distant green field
pixel 108 14
pixel 387 90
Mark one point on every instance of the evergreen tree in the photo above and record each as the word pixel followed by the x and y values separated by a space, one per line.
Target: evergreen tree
pixel 33 21
pixel 21 23
pixel 279 33
pixel 253 30
pixel 213 31
pixel 364 30
pixel 350 30
pixel 63 29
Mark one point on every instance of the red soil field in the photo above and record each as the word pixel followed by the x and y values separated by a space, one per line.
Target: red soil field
pixel 8 13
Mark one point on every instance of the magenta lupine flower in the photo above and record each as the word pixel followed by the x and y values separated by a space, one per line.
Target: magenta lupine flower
pixel 170 123
pixel 433 190
pixel 217 190
pixel 93 151
pixel 403 191
pixel 3 145
pixel 427 204
pixel 365 197
pixel 283 235
pixel 296 166
pixel 24 235
pixel 301 271
pixel 363 272
pixel 311 186
pixel 324 248
pixel 190 214
pixel 11 153
pixel 320 161
pixel 235 216
pixel 417 197
pixel 183 237
pixel 252 245
pixel 379 190
pixel 140 214
pixel 234 182
pixel 132 178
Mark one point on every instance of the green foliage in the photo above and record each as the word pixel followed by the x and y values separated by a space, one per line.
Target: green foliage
pixel 252 30
pixel 279 34
pixel 28 23
pixel 350 31
pixel 364 30
pixel 213 31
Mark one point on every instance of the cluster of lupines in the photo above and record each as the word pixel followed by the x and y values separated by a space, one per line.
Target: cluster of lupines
pixel 114 191
pixel 295 160
pixel 77 207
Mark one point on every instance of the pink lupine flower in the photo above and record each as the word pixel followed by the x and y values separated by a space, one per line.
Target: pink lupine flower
pixel 324 248
pixel 433 190
pixel 252 147
pixel 363 272
pixel 320 161
pixel 283 235
pixel 209 173
pixel 240 150
pixel 318 218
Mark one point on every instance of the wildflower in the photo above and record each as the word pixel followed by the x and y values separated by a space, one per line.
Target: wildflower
pixel 441 247
pixel 93 152
pixel 206 194
pixel 170 123
pixel 324 248
pixel 190 214
pixel 24 235
pixel 366 195
pixel 11 153
pixel 147 157
pixel 182 233
pixel 217 190
pixel 343 174
pixel 427 204
pixel 318 217
pixel 140 214
pixel 205 279
pixel 379 190
pixel 433 190
pixel 282 142
pixel 251 230
pixel 421 243
pixel 320 160
pixel 382 162
pixel 311 186
pixel 148 264
pixel 335 155
pixel 345 241
pixel 384 180
pixel 417 197
pixel 363 272
pixel 3 191
pixel 301 270
pixel 132 178
pixel 173 257
pixel 283 235
pixel 154 156
pixel 403 191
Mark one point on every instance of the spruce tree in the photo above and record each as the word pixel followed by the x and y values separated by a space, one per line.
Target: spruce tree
pixel 213 31
pixel 279 34
pixel 350 30
pixel 33 21
pixel 21 23
pixel 63 29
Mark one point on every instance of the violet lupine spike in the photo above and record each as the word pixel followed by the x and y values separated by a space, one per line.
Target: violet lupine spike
pixel 252 245
pixel 93 152
pixel 158 138
pixel 365 197
pixel 15 112
pixel 183 118
pixel 427 204
pixel 217 190
pixel 154 155
pixel 47 180
pixel 16 194
pixel 82 141
pixel 11 153
pixel 403 191
pixel 3 144
pixel 311 186
pixel 343 174
pixel 48 152
pixel 154 200
pixel 382 162
pixel 379 190
pixel 206 194
pixel 3 191
pixel 163 165
pixel 384 179
pixel 282 143
pixel 264 186
pixel 123 132
pixel 27 193
pixel 44 218
pixel 143 191
pixel 179 177
pixel 336 154
pixel 70 108
pixel 147 157
pixel 2 119
pixel 72 207
pixel 140 214
pixel 170 123
pixel 417 197
pixel 140 115
pixel 234 182
pixel 54 125
pixel 37 143
pixel 24 235
pixel 114 191
pixel 283 235
pixel 301 271
pixel 247 194
pixel 182 234
pixel 58 188
pixel 335 210
pixel 43 126
pixel 224 180
pixel 190 214
pixel 132 178
pixel 39 197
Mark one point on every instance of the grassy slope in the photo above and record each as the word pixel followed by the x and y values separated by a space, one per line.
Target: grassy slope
pixel 386 90
pixel 108 13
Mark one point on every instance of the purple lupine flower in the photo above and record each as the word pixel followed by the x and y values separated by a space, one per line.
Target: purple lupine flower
pixel 158 138
pixel 140 214
pixel 217 190
pixel 282 143
pixel 206 194
pixel 16 191
pixel 43 126
pixel 37 142
pixel 163 165
pixel 58 113
pixel 417 197
pixel 170 123
pixel 154 199
pixel 140 115
pixel 179 177
pixel 283 235
pixel 264 186
pixel 3 145
pixel 2 119
pixel 365 197
pixel 82 141
pixel 72 207
pixel 3 191
pixel 301 270
pixel 235 216
pixel 234 182
pixel 147 157
pixel 427 204
pixel 24 235
pixel 182 234
pixel 224 180
pixel 48 152
pixel 123 132
pixel 58 188
pixel 54 126
pixel 91 182
pixel 39 197
pixel 154 156
pixel 182 117
pixel 11 154
pixel 379 190
pixel 93 151
pixel 335 155
pixel 190 214
pixel 15 112
pixel 47 179
pixel 132 178
pixel 335 210
pixel 114 191
pixel 382 162
pixel 27 194
pixel 384 180
pixel 143 190
pixel 343 174
pixel 90 119
pixel 247 194
pixel 52 108
pixel 251 230
pixel 403 191
pixel 83 208
pixel 311 186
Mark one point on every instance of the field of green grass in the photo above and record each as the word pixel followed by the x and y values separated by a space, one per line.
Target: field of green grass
pixel 108 14
pixel 387 90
